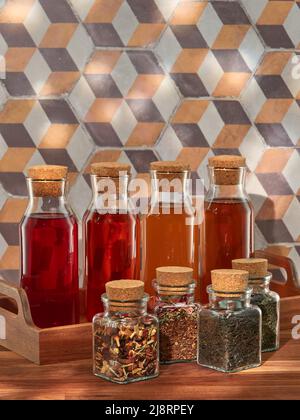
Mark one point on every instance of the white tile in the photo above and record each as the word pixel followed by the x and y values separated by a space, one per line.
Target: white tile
pixel 291 172
pixel 80 197
pixel 36 159
pixel 82 98
pixel 80 47
pixel 166 98
pixel 291 74
pixel 253 99
pixel 256 192
pixel 211 124
pixel 203 170
pixel 125 23
pixel 255 8
pixel 3 45
pixel 168 49
pixel 80 148
pixel 3 246
pixel 169 146
pixel 210 25
pixel 37 23
pixel 253 147
pixel 124 122
pixel 259 240
pixel 292 25
pixel 291 123
pixel 82 7
pixel 3 147
pixel 167 7
pixel 291 219
pixel 37 123
pixel 3 196
pixel 251 49
pixel 210 72
pixel 295 257
pixel 3 95
pixel 124 74
pixel 37 71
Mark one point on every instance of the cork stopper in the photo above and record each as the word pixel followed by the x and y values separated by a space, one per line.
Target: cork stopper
pixel 110 169
pixel 170 166
pixel 256 267
pixel 125 290
pixel 174 276
pixel 47 180
pixel 227 169
pixel 225 282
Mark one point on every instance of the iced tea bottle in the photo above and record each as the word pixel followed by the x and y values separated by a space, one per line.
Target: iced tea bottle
pixel 49 249
pixel 112 232
pixel 227 231
pixel 170 231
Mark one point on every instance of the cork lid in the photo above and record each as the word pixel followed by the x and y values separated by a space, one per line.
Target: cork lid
pixel 256 267
pixel 125 290
pixel 174 276
pixel 47 172
pixel 110 169
pixel 229 281
pixel 170 166
pixel 227 162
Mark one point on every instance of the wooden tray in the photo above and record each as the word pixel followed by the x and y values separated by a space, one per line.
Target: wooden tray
pixel 41 346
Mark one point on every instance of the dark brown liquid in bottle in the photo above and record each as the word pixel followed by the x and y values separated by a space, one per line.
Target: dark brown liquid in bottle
pixel 227 234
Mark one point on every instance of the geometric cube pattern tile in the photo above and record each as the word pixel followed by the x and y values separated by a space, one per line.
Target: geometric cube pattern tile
pixel 140 80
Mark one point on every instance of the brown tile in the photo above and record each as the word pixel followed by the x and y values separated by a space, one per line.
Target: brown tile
pixel 16 111
pixel 274 111
pixel 193 155
pixel 275 207
pixel 13 210
pixel 16 59
pixel 274 63
pixel 145 134
pixel 274 160
pixel 189 60
pixel 58 35
pixel 15 11
pixel 15 159
pixel 190 112
pixel 231 136
pixel 231 84
pixel 230 37
pixel 11 258
pixel 103 110
pixel 104 156
pixel 145 86
pixel 102 62
pixel 58 136
pixel 60 82
pixel 146 34
pixel 188 13
pixel 275 13
pixel 103 11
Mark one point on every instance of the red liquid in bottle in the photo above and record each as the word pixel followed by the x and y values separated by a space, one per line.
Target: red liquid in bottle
pixel 112 253
pixel 227 235
pixel 50 268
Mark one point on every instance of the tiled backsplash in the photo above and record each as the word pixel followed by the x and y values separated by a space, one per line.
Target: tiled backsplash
pixel 141 80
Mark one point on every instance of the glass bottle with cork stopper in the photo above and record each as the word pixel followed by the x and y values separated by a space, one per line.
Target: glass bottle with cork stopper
pixel 230 327
pixel 49 249
pixel 267 300
pixel 177 314
pixel 126 345
pixel 170 231
pixel 227 231
pixel 112 232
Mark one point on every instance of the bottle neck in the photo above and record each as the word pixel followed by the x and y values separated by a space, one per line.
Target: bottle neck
pixel 175 294
pixel 122 309
pixel 110 194
pixel 260 284
pixel 229 301
pixel 227 183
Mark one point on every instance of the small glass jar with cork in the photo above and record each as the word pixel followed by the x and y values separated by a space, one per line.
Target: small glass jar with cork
pixel 177 314
pixel 126 345
pixel 229 338
pixel 267 300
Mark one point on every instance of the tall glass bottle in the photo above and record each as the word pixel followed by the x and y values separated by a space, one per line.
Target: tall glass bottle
pixel 112 233
pixel 227 231
pixel 170 231
pixel 49 249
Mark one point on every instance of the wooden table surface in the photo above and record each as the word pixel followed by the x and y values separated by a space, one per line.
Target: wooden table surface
pixel 278 378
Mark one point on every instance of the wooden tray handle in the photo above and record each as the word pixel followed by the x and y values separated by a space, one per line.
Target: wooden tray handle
pixel 20 297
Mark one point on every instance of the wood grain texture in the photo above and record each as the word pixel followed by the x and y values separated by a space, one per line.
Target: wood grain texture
pixel 278 378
